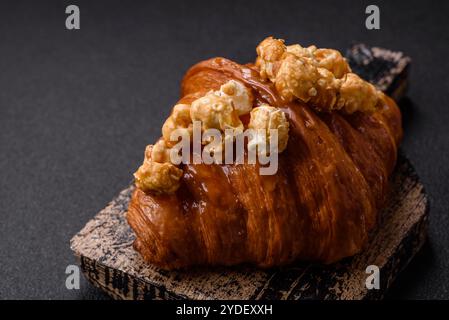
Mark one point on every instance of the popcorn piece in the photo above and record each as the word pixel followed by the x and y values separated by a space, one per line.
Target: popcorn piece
pixel 178 120
pixel 160 153
pixel 329 59
pixel 270 52
pixel 333 61
pixel 300 51
pixel 320 77
pixel 267 117
pixel 241 97
pixel 296 78
pixel 156 176
pixel 215 111
pixel 357 94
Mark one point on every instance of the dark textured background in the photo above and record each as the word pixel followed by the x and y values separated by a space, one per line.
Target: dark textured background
pixel 78 107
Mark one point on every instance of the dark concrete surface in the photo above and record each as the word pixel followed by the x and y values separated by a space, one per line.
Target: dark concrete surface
pixel 78 107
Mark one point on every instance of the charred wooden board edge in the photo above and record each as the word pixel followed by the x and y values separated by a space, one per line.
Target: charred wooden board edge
pixel 388 70
pixel 121 286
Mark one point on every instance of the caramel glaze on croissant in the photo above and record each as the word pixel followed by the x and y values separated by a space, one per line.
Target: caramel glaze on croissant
pixel 321 204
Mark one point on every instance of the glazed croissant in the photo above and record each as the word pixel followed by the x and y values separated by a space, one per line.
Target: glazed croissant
pixel 320 205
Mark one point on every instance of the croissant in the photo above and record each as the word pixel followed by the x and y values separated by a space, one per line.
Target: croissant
pixel 320 205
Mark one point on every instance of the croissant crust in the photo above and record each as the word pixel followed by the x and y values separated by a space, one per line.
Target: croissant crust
pixel 320 205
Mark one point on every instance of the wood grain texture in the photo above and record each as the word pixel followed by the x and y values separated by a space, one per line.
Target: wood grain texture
pixel 107 258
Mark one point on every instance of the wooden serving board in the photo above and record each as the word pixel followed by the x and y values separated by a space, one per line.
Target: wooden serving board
pixel 108 260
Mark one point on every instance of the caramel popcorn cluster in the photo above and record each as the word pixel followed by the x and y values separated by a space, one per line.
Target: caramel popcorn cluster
pixel 159 176
pixel 329 59
pixel 215 111
pixel 320 77
pixel 218 109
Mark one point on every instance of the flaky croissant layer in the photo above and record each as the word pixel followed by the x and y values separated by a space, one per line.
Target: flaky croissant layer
pixel 320 205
